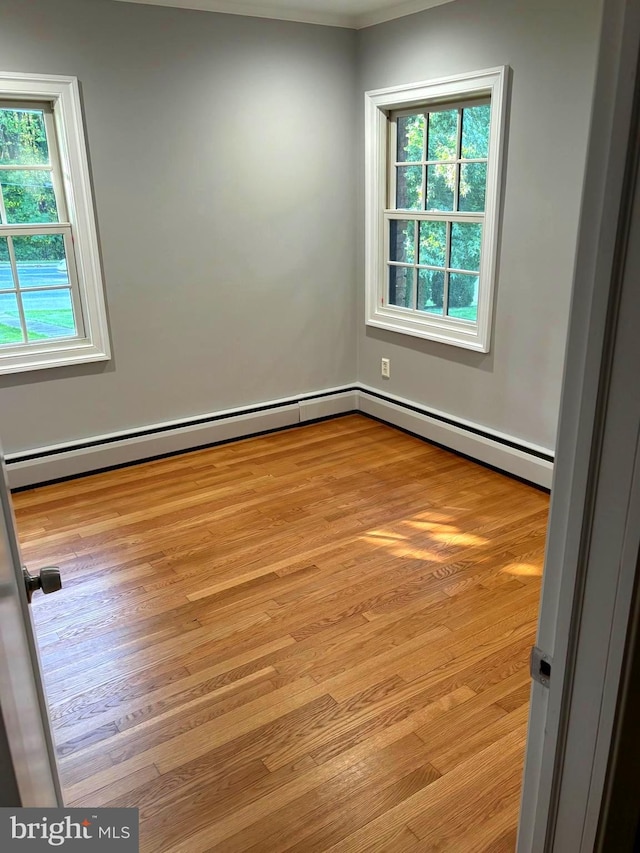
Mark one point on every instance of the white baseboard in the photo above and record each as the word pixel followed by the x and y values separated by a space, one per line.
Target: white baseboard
pixel 71 459
pixel 329 406
pixel 106 451
pixel 516 457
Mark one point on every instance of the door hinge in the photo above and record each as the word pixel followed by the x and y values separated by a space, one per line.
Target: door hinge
pixel 540 666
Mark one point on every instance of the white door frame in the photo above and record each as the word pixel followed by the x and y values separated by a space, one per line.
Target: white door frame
pixel 590 564
pixel 24 717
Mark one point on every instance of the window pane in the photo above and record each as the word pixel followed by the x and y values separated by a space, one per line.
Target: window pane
pixel 28 196
pixel 440 186
pixel 49 314
pixel 410 138
pixel 465 245
pixel 23 138
pixel 463 296
pixel 473 182
pixel 402 240
pixel 433 243
pixel 6 278
pixel 475 131
pixel 10 331
pixel 443 135
pixel 409 188
pixel 41 260
pixel 401 286
pixel 430 291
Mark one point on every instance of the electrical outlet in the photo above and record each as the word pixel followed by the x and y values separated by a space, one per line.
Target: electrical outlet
pixel 385 368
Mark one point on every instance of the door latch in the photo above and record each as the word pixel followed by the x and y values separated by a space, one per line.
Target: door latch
pixel 48 580
pixel 540 666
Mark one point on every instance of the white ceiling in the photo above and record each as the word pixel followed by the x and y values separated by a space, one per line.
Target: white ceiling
pixel 336 13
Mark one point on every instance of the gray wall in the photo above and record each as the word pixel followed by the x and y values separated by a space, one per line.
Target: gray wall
pixel 226 159
pixel 551 47
pixel 223 161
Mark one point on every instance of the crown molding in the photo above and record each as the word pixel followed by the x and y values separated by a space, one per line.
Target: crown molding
pixel 390 13
pixel 275 11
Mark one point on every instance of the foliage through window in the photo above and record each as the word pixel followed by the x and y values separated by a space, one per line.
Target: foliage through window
pixel 438 167
pixel 36 288
pixel 438 207
pixel 51 301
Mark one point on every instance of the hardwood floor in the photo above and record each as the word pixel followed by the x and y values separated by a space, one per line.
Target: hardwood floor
pixel 314 640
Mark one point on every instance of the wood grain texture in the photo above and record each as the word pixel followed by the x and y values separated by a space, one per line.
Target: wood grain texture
pixel 315 640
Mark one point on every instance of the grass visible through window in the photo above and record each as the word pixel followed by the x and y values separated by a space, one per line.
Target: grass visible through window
pixel 60 320
pixel 11 335
pixel 470 312
pixel 59 317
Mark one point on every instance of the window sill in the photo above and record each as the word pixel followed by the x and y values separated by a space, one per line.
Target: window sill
pixel 444 331
pixel 61 355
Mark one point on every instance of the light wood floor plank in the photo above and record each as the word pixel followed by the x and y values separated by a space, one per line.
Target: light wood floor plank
pixel 310 641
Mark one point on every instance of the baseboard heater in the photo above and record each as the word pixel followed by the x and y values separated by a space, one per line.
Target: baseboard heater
pixel 72 459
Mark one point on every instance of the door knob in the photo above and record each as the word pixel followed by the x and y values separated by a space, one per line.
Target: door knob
pixel 48 580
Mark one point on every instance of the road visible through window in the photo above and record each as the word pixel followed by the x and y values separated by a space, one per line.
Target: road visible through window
pixel 48 314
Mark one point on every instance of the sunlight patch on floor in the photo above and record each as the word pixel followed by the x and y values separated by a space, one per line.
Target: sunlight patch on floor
pixel 436 531
pixel 522 570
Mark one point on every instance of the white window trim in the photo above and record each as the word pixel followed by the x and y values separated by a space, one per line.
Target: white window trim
pixel 64 95
pixel 378 104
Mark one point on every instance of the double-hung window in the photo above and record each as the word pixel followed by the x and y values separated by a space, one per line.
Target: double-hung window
pixel 433 179
pixel 51 298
